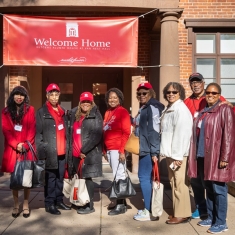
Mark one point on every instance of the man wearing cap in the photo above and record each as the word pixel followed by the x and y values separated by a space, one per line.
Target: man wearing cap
pixel 52 145
pixel 195 103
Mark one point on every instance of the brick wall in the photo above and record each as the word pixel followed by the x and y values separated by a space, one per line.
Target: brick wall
pixel 14 73
pixel 198 9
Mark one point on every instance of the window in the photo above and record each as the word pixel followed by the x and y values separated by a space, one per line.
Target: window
pixel 215 59
pixel 213 44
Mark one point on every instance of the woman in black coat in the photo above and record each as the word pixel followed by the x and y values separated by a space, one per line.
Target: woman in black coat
pixel 85 157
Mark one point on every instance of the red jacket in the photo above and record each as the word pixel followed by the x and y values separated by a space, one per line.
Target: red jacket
pixel 117 128
pixel 13 137
pixel 219 145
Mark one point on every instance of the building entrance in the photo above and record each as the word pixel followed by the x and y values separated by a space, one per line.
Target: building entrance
pixel 74 81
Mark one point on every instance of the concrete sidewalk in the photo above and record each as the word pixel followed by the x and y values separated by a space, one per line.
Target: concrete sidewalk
pixel 98 223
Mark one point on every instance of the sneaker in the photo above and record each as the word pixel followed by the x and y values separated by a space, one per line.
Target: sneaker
pixel 205 223
pixel 218 228
pixel 144 215
pixel 195 214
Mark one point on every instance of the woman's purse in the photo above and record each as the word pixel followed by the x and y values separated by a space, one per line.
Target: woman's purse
pixel 122 189
pixel 132 144
pixel 23 173
pixel 38 169
pixel 157 193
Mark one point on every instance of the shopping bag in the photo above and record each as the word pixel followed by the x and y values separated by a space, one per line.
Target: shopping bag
pixel 67 187
pixel 79 195
pixel 122 188
pixel 157 193
pixel 21 177
pixel 38 179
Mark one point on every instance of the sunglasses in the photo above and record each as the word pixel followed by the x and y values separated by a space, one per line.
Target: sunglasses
pixel 142 93
pixel 173 92
pixel 212 92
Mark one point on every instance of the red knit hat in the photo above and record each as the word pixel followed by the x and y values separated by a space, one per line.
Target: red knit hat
pixel 52 87
pixel 144 85
pixel 86 96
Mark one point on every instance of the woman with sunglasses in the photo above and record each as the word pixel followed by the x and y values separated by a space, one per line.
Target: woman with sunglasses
pixel 147 128
pixel 18 125
pixel 176 131
pixel 85 157
pixel 213 144
pixel 117 128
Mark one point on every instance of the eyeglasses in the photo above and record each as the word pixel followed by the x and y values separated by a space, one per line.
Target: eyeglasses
pixel 212 92
pixel 142 93
pixel 196 83
pixel 173 92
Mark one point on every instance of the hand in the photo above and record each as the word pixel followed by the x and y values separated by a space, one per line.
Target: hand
pixel 154 159
pixel 223 164
pixel 226 102
pixel 122 157
pixel 178 163
pixel 19 147
pixel 82 155
pixel 105 157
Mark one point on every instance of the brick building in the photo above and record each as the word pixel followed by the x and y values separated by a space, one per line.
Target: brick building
pixel 178 38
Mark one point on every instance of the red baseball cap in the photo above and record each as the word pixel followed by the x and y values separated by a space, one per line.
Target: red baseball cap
pixel 52 87
pixel 144 85
pixel 86 96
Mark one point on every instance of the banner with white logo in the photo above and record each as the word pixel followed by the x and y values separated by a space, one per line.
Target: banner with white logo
pixel 70 41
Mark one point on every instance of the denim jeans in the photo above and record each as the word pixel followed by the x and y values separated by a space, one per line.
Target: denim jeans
pixel 198 187
pixel 145 177
pixel 216 198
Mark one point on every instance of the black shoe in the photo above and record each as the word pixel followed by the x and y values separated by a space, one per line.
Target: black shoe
pixel 26 215
pixel 86 210
pixel 119 209
pixel 62 206
pixel 15 215
pixel 53 210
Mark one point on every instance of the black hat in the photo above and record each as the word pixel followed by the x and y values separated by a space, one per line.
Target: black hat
pixel 19 90
pixel 197 76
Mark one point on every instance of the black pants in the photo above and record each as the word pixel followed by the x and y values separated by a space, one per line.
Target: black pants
pixel 89 183
pixel 53 189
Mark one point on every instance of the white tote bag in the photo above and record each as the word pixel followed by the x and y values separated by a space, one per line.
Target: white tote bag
pixel 67 187
pixel 79 195
pixel 157 199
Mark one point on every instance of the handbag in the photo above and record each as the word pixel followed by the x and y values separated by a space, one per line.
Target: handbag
pixel 122 189
pixel 22 174
pixel 157 193
pixel 38 169
pixel 78 194
pixel 132 144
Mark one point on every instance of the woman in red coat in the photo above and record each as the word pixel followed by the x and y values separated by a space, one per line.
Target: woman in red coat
pixel 18 125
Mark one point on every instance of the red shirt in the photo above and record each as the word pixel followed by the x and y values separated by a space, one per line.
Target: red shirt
pixel 196 105
pixel 77 137
pixel 117 128
pixel 60 128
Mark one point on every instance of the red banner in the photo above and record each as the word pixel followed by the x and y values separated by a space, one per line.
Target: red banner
pixel 62 41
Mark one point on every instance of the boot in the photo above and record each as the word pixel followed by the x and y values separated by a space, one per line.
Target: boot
pixel 87 209
pixel 120 208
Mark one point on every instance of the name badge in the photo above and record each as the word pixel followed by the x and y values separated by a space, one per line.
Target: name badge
pixel 106 127
pixel 78 131
pixel 195 114
pixel 60 127
pixel 199 124
pixel 18 127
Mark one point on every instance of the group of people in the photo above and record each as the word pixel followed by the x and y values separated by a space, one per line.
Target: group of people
pixel 195 135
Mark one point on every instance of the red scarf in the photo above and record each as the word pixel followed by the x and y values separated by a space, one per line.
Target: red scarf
pixel 60 133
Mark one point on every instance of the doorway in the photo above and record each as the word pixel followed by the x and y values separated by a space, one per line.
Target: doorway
pixel 73 81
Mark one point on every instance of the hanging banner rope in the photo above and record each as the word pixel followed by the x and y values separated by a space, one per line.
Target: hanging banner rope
pixel 70 41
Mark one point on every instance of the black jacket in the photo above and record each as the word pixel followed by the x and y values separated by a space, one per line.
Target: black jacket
pixel 46 137
pixel 91 135
pixel 148 136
